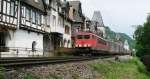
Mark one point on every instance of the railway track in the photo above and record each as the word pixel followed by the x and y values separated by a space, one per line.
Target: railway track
pixel 21 62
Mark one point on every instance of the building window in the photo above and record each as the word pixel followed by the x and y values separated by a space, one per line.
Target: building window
pixel 42 19
pixel 67 30
pixel 0 5
pixel 12 8
pixel 28 14
pixel 38 18
pixel 4 7
pixel 48 20
pixel 8 8
pixel 33 17
pixel 23 11
pixel 60 22
pixel 54 21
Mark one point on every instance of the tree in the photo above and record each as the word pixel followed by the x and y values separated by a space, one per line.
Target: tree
pixel 142 36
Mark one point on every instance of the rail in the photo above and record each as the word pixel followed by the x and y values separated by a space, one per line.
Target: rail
pixel 26 61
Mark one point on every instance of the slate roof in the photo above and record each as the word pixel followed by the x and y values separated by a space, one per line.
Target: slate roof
pixel 39 5
pixel 76 5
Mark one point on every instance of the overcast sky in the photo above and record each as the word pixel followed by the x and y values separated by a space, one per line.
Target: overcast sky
pixel 119 15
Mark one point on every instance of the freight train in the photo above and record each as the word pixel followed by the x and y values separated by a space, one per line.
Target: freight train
pixel 90 43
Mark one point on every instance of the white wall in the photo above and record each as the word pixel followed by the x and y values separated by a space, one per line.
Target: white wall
pixel 22 39
pixel 25 39
pixel 67 36
pixel 54 13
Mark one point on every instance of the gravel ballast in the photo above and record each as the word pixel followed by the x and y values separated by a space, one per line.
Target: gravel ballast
pixel 77 70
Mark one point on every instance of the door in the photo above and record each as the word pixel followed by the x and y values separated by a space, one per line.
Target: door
pixel 2 42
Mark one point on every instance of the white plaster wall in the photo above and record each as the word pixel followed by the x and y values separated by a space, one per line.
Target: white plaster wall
pixel 67 36
pixel 54 28
pixel 25 39
pixel 21 39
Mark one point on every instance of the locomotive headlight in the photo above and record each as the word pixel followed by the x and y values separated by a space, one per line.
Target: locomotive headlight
pixel 80 45
pixel 76 45
pixel 85 45
pixel 88 45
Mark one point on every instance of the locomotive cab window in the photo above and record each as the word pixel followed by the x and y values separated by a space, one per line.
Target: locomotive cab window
pixel 86 36
pixel 83 36
pixel 79 37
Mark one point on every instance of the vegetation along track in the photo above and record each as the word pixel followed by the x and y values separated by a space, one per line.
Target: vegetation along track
pixel 21 62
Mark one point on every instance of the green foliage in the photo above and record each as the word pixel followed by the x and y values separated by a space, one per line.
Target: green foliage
pixel 2 70
pixel 129 39
pixel 1 75
pixel 112 35
pixel 132 69
pixel 30 76
pixel 142 36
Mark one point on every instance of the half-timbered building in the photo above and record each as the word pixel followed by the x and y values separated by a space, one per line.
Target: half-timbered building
pixel 68 21
pixel 37 27
pixel 8 24
pixel 32 25
pixel 22 27
pixel 59 23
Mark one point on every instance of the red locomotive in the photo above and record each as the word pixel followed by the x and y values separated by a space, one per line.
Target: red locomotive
pixel 90 43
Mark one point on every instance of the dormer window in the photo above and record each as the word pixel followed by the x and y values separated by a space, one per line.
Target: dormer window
pixel 28 14
pixel 36 1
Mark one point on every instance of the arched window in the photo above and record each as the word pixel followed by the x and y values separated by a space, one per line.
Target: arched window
pixel 67 30
pixel 68 43
pixel 34 46
pixel 65 42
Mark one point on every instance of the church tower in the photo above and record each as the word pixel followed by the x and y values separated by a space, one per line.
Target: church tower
pixel 98 18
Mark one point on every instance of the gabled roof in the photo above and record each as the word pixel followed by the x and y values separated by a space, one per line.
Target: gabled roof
pixel 75 4
pixel 78 17
pixel 39 5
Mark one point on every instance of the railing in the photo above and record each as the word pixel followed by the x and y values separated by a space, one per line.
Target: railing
pixel 20 52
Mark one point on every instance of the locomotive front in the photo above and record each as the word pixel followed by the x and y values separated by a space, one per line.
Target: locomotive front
pixel 83 42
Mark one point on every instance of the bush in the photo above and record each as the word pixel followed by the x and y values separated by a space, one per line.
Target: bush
pixel 2 70
pixel 146 61
pixel 142 36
